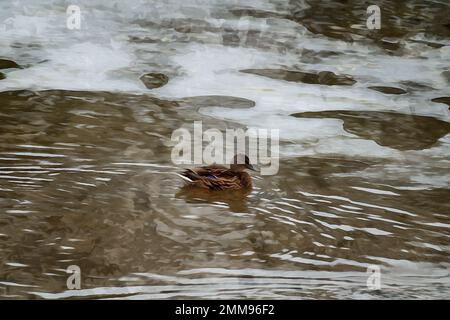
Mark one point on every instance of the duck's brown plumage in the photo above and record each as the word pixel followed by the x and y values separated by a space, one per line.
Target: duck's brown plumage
pixel 220 178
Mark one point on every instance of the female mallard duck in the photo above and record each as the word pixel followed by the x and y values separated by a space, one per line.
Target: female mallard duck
pixel 220 178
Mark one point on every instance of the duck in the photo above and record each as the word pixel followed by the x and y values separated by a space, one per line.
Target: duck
pixel 216 177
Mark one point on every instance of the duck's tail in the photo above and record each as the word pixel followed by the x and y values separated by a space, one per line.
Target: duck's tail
pixel 188 175
pixel 186 179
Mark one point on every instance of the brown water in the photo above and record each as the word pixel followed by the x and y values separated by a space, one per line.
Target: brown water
pixel 86 176
pixel 86 179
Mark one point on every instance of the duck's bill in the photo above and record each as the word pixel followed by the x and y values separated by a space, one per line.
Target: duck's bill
pixel 251 167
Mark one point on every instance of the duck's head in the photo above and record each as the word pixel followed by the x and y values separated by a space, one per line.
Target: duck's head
pixel 241 162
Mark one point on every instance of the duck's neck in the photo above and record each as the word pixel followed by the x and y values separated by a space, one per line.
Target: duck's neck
pixel 246 179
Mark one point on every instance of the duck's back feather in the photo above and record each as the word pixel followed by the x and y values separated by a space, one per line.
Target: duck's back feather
pixel 217 178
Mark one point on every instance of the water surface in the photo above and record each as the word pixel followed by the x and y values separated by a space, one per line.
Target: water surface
pixel 86 176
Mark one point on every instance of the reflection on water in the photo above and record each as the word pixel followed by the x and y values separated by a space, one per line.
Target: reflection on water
pixel 86 177
pixel 395 130
pixel 86 180
pixel 236 201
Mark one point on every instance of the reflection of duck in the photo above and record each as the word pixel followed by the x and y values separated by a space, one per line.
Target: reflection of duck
pixel 236 200
pixel 220 178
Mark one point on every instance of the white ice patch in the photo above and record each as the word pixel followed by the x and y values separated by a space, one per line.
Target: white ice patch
pixel 85 66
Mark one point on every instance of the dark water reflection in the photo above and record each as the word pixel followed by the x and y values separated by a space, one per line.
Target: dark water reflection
pixel 86 179
pixel 395 130
pixel 401 19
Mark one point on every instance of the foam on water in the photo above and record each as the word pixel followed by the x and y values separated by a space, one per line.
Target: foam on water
pixel 85 66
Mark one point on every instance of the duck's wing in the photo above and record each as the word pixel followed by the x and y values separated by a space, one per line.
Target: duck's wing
pixel 215 183
pixel 214 178
pixel 212 172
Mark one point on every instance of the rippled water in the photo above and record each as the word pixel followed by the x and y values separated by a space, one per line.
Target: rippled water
pixel 86 177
